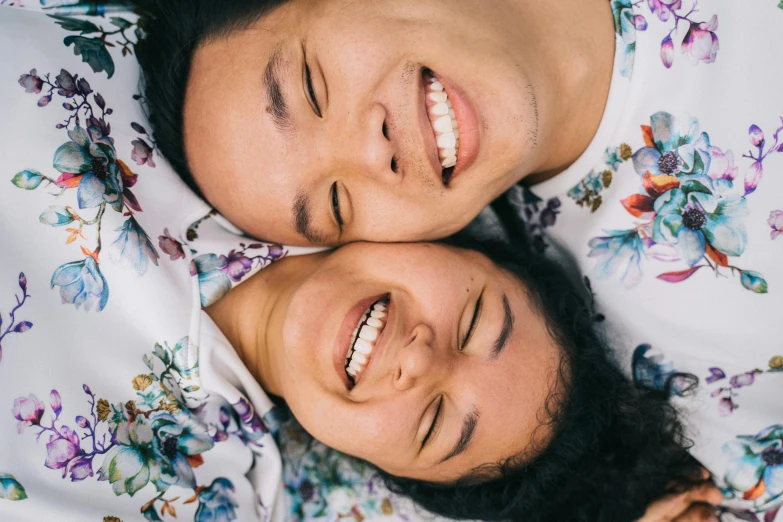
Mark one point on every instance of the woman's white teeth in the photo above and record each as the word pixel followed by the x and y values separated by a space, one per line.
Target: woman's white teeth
pixel 443 120
pixel 364 337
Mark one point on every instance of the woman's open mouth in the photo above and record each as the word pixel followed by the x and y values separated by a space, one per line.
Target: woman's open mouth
pixel 365 335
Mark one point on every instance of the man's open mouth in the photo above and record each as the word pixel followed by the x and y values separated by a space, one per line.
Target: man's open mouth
pixel 364 337
pixel 444 123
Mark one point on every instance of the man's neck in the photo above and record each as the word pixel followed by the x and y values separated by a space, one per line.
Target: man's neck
pixel 574 45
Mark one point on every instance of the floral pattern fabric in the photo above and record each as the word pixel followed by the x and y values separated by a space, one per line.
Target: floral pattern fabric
pixel 119 413
pixel 673 216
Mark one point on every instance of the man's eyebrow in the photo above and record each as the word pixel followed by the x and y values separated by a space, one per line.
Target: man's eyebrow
pixel 275 68
pixel 302 218
pixel 506 331
pixel 468 429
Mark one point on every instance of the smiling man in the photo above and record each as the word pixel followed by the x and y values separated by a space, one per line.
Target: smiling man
pixel 324 122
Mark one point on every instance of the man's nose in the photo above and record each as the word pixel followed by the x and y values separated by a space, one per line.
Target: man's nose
pixel 366 147
pixel 417 359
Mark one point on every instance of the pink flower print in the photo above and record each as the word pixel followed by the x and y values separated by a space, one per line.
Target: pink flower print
pixel 667 51
pixel 28 411
pixel 701 42
pixel 55 401
pixel 756 135
pixel 170 246
pixel 726 406
pixel 722 164
pixel 32 83
pixel 142 152
pixel 62 449
pixel 776 222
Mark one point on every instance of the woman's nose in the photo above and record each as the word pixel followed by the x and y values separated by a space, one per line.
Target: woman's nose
pixel 416 360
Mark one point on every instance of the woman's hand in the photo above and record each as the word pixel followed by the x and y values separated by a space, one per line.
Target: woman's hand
pixel 694 505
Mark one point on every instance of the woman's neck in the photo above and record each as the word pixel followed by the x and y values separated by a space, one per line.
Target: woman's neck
pixel 251 315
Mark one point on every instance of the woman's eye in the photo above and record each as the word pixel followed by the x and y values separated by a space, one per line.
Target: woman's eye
pixel 335 197
pixel 311 92
pixel 473 320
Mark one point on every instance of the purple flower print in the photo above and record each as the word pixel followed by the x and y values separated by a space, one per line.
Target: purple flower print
pixel 727 393
pixel 701 42
pixel 14 326
pixel 55 402
pixel 743 379
pixel 726 406
pixel 763 150
pixel 32 83
pixel 170 246
pixel 142 151
pixel 663 9
pixel 776 223
pixel 28 411
pixel 237 265
pixel 62 448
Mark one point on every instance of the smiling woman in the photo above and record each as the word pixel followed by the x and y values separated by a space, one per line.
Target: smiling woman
pixel 477 387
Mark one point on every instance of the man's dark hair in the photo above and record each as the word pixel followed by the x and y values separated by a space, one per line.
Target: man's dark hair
pixel 615 448
pixel 174 30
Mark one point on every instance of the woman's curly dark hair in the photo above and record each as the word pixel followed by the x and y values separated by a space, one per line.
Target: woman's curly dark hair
pixel 616 447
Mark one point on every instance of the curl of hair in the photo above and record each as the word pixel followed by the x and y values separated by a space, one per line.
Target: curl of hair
pixel 615 447
pixel 173 31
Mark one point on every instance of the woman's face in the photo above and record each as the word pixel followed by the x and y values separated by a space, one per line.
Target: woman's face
pixel 457 377
pixel 318 124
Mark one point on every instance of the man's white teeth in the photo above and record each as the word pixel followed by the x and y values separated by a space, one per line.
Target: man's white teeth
pixel 443 120
pixel 364 337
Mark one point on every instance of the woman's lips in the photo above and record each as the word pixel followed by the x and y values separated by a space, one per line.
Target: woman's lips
pixel 343 339
pixel 467 119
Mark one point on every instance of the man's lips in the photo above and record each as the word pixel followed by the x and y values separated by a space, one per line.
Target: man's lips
pixel 343 339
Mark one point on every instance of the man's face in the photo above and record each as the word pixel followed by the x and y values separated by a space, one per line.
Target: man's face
pixel 323 122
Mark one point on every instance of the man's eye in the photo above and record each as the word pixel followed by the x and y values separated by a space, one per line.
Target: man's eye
pixel 336 206
pixel 311 92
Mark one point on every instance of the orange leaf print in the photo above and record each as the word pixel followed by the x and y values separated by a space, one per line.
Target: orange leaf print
pixel 659 184
pixel 718 257
pixel 756 491
pixel 638 204
pixel 647 134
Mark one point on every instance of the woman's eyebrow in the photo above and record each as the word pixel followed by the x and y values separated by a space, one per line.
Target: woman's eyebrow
pixel 275 68
pixel 469 423
pixel 506 331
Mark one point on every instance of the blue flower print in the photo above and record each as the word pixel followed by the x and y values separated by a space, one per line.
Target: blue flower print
pixel 688 208
pixel 755 470
pixel 133 247
pixel 216 503
pixel 90 156
pixel 691 216
pixel 673 146
pixel 619 254
pixel 81 283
